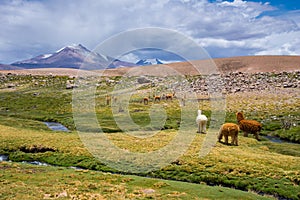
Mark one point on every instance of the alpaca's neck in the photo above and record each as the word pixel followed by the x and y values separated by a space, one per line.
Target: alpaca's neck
pixel 240 117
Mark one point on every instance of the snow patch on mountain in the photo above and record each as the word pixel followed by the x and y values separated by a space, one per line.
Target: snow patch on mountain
pixel 47 55
pixel 72 56
pixel 144 62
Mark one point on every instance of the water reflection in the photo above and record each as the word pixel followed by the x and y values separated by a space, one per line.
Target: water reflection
pixel 55 126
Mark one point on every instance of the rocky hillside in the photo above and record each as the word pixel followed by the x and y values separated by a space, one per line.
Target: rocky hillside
pixel 226 75
pixel 226 83
pixel 245 82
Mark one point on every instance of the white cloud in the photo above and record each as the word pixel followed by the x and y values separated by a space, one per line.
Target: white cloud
pixel 286 43
pixel 29 28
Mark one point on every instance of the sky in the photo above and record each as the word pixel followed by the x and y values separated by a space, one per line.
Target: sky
pixel 223 28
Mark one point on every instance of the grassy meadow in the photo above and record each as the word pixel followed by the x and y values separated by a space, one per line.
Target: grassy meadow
pixel 252 170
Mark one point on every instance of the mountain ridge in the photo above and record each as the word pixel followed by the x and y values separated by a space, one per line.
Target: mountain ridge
pixel 72 56
pixel 146 62
pixel 248 64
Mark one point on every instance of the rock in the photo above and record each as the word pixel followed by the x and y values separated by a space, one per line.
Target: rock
pixel 287 85
pixel 148 191
pixel 11 85
pixel 142 80
pixel 71 86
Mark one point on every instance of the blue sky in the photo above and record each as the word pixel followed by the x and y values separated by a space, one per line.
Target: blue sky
pixel 222 28
pixel 283 4
pixel 280 4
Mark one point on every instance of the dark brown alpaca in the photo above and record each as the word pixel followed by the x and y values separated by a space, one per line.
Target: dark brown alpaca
pixel 248 126
pixel 146 100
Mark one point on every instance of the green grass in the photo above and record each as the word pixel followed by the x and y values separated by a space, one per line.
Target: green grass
pixel 21 181
pixel 252 166
pixel 283 148
pixel 236 167
pixel 292 134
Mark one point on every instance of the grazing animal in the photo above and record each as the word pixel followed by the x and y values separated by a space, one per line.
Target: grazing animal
pixel 170 96
pixel 201 121
pixel 248 126
pixel 146 100
pixel 108 99
pixel 156 98
pixel 229 129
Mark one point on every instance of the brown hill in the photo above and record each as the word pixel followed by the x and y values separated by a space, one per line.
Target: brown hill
pixel 249 64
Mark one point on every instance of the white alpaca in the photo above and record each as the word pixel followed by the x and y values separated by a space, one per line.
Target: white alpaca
pixel 201 121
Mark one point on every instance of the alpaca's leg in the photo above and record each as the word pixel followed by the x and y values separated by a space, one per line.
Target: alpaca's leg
pixel 232 139
pixel 236 140
pixel 201 127
pixel 226 139
pixel 220 136
pixel 256 136
pixel 245 134
pixel 204 127
pixel 198 128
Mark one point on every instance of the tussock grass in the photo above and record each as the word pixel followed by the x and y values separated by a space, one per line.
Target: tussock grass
pixel 252 166
pixel 22 181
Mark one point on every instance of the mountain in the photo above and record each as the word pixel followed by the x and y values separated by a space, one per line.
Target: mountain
pixel 145 62
pixel 246 64
pixel 8 67
pixel 73 56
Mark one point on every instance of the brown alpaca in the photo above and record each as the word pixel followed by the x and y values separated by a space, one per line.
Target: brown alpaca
pixel 229 129
pixel 108 99
pixel 146 100
pixel 156 98
pixel 248 126
pixel 170 96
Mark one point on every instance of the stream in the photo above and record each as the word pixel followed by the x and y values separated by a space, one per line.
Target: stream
pixel 276 139
pixel 6 159
pixel 55 126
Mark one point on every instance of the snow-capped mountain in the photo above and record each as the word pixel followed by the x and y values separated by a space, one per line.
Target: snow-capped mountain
pixel 73 56
pixel 145 62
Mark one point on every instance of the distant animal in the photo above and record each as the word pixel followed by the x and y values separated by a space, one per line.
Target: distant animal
pixel 170 96
pixel 108 99
pixel 156 98
pixel 229 129
pixel 201 121
pixel 248 126
pixel 146 100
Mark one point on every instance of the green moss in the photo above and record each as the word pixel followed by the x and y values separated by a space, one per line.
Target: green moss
pixel 293 134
